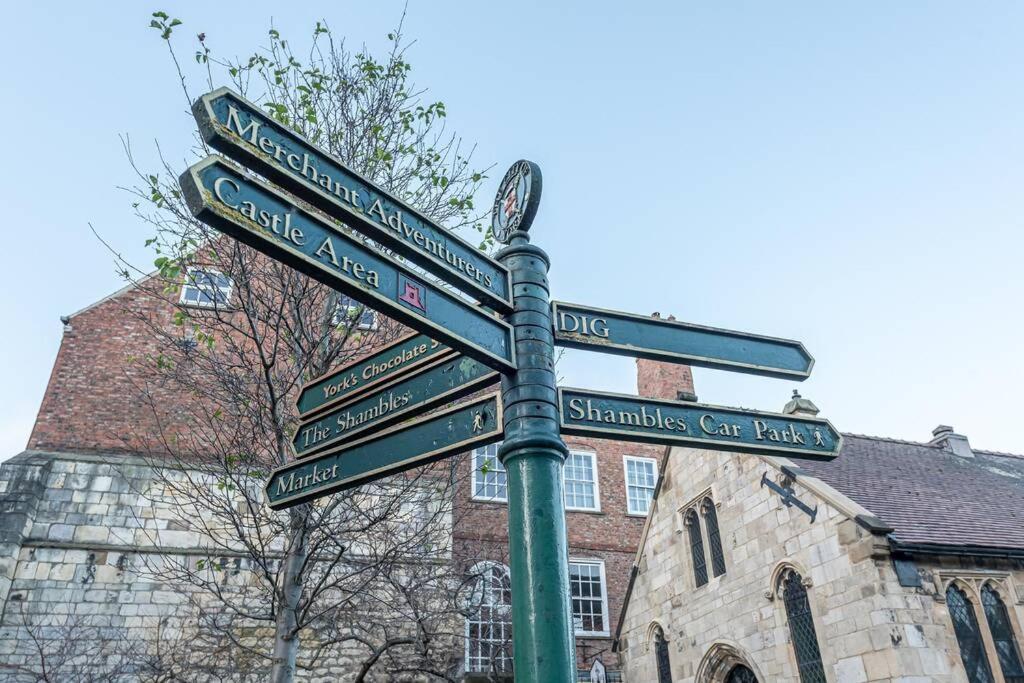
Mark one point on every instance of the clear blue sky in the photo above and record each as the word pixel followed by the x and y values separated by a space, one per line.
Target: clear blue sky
pixel 850 176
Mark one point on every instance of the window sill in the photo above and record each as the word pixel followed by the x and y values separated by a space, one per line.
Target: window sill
pixel 594 634
pixel 639 515
pixel 491 501
pixel 586 511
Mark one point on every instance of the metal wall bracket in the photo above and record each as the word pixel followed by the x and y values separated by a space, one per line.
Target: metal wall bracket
pixel 788 496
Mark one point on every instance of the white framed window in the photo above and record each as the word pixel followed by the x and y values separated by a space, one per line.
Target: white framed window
pixel 206 288
pixel 641 476
pixel 489 479
pixel 589 597
pixel 489 624
pixel 349 311
pixel 579 475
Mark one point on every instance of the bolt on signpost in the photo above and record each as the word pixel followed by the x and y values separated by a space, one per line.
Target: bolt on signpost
pixel 370 419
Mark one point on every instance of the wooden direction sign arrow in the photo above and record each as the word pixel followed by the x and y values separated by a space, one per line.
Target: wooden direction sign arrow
pixel 680 423
pixel 266 219
pixel 354 379
pixel 411 393
pixel 455 430
pixel 241 130
pixel 626 334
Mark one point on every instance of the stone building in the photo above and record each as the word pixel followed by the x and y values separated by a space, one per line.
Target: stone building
pixel 898 561
pixel 85 510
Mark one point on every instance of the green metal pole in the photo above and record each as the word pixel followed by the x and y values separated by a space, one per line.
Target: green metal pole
pixel 543 638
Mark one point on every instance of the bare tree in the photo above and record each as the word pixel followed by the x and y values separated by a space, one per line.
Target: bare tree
pixel 359 573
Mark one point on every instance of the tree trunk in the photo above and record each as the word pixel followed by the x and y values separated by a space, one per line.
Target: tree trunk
pixel 286 637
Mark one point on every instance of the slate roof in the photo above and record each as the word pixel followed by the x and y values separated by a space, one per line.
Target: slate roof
pixel 928 494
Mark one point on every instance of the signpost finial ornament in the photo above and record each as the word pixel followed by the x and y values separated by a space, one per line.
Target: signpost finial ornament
pixel 517 200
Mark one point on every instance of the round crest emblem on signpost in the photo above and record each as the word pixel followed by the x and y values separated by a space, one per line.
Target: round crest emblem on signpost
pixel 516 203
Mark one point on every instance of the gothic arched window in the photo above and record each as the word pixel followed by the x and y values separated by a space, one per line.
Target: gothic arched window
pixel 661 656
pixel 801 628
pixel 489 626
pixel 968 635
pixel 700 567
pixel 740 674
pixel 1002 635
pixel 714 537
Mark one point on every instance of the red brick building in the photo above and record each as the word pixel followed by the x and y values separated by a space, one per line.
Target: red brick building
pixel 92 404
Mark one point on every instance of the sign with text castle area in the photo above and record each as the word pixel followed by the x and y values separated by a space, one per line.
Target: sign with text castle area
pixel 266 219
pixel 680 423
pixel 447 379
pixel 626 334
pixel 241 130
pixel 455 430
pixel 342 384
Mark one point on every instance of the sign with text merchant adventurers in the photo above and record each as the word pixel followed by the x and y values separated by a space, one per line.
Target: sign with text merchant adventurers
pixel 458 429
pixel 241 130
pixel 342 384
pixel 266 219
pixel 596 329
pixel 682 423
pixel 410 394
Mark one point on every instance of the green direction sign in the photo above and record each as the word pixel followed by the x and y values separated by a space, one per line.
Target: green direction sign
pixel 680 423
pixel 345 383
pixel 455 430
pixel 626 334
pixel 266 219
pixel 447 379
pixel 241 130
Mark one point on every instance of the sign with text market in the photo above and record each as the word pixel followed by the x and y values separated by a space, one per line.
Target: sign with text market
pixel 411 393
pixel 454 430
pixel 626 334
pixel 697 425
pixel 256 213
pixel 240 129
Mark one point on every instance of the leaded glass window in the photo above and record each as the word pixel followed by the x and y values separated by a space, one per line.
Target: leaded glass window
pixel 801 629
pixel 968 635
pixel 1002 635
pixel 489 626
pixel 661 657
pixel 714 538
pixel 740 674
pixel 700 567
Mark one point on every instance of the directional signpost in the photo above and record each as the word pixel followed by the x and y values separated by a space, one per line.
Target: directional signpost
pixel 626 334
pixel 342 384
pixel 241 130
pixel 632 418
pixel 371 418
pixel 456 430
pixel 412 393
pixel 266 219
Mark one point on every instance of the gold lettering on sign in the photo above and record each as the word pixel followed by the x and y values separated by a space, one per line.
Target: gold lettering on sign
pixel 586 411
pixel 573 323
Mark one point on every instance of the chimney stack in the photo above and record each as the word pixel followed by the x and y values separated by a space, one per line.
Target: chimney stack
pixel 671 381
pixel 945 438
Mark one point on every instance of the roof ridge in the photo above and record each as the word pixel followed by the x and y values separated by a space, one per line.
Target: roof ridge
pixel 889 439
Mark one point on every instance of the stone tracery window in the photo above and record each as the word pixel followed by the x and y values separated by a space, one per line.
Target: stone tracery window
pixel 801 628
pixel 968 635
pixel 714 537
pixel 700 567
pixel 1002 635
pixel 661 656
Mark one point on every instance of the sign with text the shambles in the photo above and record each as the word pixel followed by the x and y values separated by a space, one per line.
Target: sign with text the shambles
pixel 451 431
pixel 449 378
pixel 681 423
pixel 254 212
pixel 240 129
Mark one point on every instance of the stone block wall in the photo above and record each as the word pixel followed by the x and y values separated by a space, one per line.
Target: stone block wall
pixel 83 540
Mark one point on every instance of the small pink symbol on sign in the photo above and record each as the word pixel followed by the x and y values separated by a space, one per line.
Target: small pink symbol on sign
pixel 413 296
pixel 511 202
